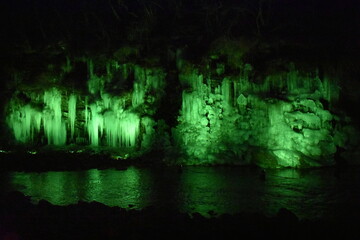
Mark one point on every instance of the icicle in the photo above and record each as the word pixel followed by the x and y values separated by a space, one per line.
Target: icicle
pixel 226 91
pixel 330 91
pixel 111 129
pixel 106 100
pixel 139 86
pixel 25 122
pixel 95 83
pixel 197 81
pixel 54 128
pixel 155 79
pixel 191 107
pixel 121 130
pixel 235 94
pixel 72 114
pixel 129 129
pixel 124 69
pixel 86 112
pixel 292 81
pixel 95 125
pixel 138 94
pixel 147 137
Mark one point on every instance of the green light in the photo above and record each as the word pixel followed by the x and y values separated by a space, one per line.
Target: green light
pixel 54 127
pixel 199 192
pixel 290 188
pixel 72 114
pixel 110 187
pixel 105 120
pixel 225 122
pixel 206 190
pixel 277 122
pixel 95 124
pixel 56 187
pixel 214 191
pixel 24 121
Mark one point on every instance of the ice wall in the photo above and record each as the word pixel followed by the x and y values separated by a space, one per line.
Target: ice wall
pixel 101 118
pixel 72 114
pixel 25 121
pixel 54 126
pixel 280 122
pixel 285 119
pixel 28 120
pixel 109 121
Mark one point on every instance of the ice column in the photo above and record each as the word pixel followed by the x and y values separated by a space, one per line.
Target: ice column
pixel 192 106
pixel 54 127
pixel 138 94
pixel 122 129
pixel 25 122
pixel 72 114
pixel 95 125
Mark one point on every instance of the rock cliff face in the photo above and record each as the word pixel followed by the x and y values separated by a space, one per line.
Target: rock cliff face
pixel 286 119
pixel 201 82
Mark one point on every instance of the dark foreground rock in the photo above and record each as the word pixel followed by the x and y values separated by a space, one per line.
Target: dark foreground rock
pixel 19 219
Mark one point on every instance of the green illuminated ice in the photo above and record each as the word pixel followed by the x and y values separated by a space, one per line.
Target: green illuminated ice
pixel 56 117
pixel 26 121
pixel 284 120
pixel 72 114
pixel 54 126
pixel 280 122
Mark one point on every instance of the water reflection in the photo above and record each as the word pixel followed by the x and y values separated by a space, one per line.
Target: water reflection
pixel 219 190
pixel 313 193
pixel 301 192
pixel 207 190
pixel 130 188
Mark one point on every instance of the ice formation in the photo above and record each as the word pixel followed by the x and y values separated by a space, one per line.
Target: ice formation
pixel 56 117
pixel 280 122
pixel 54 126
pixel 283 121
pixel 72 114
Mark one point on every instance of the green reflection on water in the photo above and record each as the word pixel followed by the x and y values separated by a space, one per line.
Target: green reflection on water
pixel 198 192
pixel 56 187
pixel 303 192
pixel 207 190
pixel 213 191
pixel 129 188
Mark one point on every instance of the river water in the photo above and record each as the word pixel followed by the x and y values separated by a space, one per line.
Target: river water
pixel 310 194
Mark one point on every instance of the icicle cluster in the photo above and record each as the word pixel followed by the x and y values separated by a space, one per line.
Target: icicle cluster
pixel 280 121
pixel 107 120
pixel 26 121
